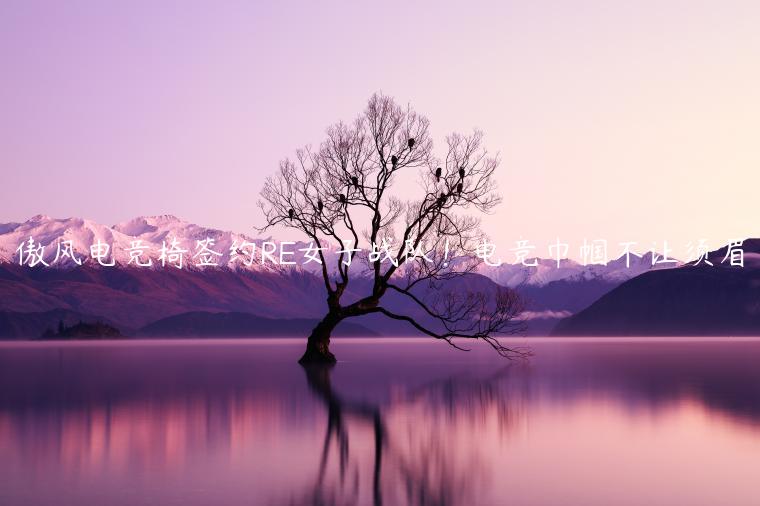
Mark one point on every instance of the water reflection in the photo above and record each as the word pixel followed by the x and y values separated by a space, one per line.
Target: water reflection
pixel 414 463
pixel 398 422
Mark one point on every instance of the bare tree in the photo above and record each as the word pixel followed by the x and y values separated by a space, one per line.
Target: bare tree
pixel 340 194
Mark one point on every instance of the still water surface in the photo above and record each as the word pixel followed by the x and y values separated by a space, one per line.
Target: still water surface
pixel 397 421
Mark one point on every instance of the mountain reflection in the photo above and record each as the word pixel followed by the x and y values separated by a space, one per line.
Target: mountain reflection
pixel 396 423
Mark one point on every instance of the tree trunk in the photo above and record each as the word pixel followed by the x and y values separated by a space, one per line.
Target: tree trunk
pixel 318 344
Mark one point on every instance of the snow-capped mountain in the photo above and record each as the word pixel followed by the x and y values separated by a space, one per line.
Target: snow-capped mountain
pixel 546 271
pixel 151 234
pixel 716 299
pixel 147 234
pixel 133 297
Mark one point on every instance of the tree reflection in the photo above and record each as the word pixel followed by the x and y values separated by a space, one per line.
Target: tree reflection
pixel 411 457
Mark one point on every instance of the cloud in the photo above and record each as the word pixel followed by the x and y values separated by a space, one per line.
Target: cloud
pixel 544 315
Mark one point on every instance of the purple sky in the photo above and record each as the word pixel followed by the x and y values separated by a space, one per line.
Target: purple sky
pixel 618 120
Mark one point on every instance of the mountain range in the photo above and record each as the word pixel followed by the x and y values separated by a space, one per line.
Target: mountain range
pixel 132 297
pixel 693 299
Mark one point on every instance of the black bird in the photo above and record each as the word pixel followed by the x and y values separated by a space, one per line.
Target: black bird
pixel 442 198
pixel 410 143
pixel 438 174
pixel 342 198
pixel 394 160
pixel 355 181
pixel 291 213
pixel 320 205
pixel 459 188
pixel 461 172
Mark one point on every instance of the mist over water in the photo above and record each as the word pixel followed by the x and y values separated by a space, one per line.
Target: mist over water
pixel 397 421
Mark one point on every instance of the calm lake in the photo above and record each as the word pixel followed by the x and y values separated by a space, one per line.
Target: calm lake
pixel 397 421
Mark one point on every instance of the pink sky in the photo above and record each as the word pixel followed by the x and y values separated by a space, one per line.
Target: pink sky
pixel 629 121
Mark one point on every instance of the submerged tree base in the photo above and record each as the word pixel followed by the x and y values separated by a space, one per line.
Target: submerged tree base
pixel 314 355
pixel 318 344
pixel 318 349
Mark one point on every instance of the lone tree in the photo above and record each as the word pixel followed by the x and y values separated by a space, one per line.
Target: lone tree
pixel 341 194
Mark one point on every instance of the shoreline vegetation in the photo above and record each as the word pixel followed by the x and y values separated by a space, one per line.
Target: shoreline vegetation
pixel 83 331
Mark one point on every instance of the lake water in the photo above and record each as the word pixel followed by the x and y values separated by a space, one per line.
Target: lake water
pixel 397 421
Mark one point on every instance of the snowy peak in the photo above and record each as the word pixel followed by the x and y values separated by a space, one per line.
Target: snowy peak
pixel 547 271
pixel 147 224
pixel 149 234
